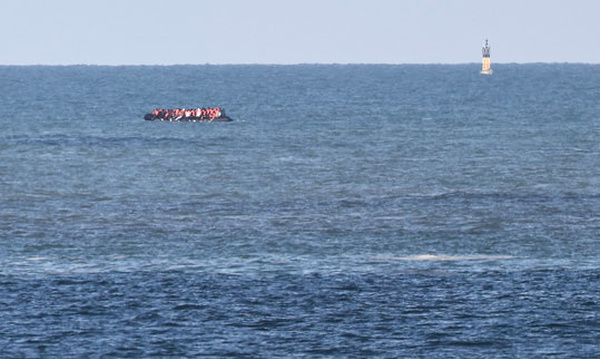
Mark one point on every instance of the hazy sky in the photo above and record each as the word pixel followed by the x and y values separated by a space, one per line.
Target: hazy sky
pixel 117 32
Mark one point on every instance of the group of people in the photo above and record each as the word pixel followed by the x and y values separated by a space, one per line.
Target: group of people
pixel 179 113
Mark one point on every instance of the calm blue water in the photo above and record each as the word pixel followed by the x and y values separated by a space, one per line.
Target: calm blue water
pixel 349 212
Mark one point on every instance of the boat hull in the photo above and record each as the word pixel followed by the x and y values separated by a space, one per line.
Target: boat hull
pixel 151 117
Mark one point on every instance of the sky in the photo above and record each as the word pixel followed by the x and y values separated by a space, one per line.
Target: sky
pixel 165 32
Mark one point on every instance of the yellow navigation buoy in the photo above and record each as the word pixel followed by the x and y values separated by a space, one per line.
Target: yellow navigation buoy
pixel 486 66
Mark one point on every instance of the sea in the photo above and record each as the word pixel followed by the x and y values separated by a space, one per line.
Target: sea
pixel 348 211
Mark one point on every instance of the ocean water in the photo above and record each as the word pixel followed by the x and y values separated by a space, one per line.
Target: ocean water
pixel 349 211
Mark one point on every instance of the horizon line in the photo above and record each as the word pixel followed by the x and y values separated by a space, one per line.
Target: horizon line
pixel 305 63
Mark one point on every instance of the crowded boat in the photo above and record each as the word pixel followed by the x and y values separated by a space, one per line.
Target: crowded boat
pixel 192 115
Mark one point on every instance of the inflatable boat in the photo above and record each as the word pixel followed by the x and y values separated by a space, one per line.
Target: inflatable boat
pixel 214 114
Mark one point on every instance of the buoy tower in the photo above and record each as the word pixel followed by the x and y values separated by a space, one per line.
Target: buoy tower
pixel 486 66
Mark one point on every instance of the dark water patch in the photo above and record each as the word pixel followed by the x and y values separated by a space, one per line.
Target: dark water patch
pixel 338 315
